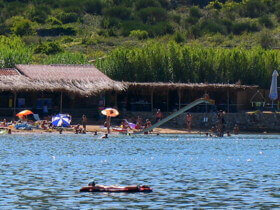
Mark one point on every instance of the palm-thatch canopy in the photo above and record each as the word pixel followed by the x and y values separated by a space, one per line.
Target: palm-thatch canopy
pixel 186 86
pixel 84 80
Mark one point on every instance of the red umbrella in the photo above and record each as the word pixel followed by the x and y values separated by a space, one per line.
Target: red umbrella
pixel 24 113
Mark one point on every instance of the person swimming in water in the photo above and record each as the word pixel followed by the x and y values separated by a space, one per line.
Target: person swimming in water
pixel 105 136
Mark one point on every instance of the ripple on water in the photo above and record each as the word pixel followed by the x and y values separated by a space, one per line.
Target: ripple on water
pixel 186 171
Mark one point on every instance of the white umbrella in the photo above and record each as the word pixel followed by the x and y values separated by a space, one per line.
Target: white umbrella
pixel 273 93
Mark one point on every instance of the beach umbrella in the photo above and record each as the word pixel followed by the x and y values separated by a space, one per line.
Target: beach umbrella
pixel 63 120
pixel 273 93
pixel 110 112
pixel 24 113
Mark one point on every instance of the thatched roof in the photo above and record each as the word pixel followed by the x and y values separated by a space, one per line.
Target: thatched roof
pixel 185 86
pixel 83 80
pixel 65 72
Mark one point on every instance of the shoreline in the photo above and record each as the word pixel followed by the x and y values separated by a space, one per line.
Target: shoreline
pixel 92 128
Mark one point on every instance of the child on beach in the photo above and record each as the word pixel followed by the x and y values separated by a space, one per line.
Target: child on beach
pixel 84 122
pixel 189 121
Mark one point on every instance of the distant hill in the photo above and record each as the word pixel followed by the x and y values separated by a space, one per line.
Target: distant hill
pixel 85 31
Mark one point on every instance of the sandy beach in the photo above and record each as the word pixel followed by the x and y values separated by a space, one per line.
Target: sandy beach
pixel 99 129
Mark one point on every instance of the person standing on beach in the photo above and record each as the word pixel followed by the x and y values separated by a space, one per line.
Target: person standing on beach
pixel 159 115
pixel 84 122
pixel 108 124
pixel 189 121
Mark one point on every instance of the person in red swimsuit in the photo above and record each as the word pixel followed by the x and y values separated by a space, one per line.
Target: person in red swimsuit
pixel 92 187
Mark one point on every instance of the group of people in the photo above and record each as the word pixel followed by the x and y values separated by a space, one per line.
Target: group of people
pixel 220 128
pixel 78 129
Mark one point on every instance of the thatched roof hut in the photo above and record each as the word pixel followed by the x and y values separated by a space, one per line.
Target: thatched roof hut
pixel 84 80
pixel 187 86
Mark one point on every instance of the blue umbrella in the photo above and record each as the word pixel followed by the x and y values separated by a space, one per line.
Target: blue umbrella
pixel 63 120
pixel 273 93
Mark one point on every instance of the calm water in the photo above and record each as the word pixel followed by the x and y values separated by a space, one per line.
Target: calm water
pixel 45 171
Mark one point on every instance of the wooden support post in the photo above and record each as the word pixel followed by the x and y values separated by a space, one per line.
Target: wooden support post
pixel 60 108
pixel 152 100
pixel 116 99
pixel 15 104
pixel 227 100
pixel 179 97
pixel 167 101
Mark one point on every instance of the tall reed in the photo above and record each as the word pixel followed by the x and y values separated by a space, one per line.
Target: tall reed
pixel 173 62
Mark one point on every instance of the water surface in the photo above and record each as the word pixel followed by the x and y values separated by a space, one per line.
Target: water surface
pixel 46 170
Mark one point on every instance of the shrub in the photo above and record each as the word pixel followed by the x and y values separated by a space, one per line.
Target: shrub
pixel 239 28
pixel 191 21
pixel 22 27
pixel 176 18
pixel 120 12
pixel 139 34
pixel 215 5
pixel 152 15
pixel 266 21
pixel 195 12
pixel 140 4
pixel 266 40
pixel 254 8
pixel 213 26
pixel 57 31
pixel 37 14
pixel 54 21
pixel 48 48
pixel 109 22
pixel 165 3
pixel 179 37
pixel 66 58
pixel 159 29
pixel 93 7
pixel 69 17
pixel 195 31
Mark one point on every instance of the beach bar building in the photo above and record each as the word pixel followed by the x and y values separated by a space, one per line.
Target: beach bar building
pixel 169 97
pixel 63 88
pixel 83 89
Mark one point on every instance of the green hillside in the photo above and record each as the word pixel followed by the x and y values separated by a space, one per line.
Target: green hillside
pixel 91 31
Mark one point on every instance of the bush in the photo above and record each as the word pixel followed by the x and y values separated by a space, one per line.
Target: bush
pixel 159 29
pixel 65 17
pixel 109 22
pixel 195 31
pixel 191 21
pixel 140 4
pixel 266 40
pixel 195 12
pixel 54 21
pixel 176 18
pixel 266 21
pixel 179 37
pixel 57 31
pixel 22 27
pixel 93 7
pixel 37 14
pixel 239 28
pixel 120 12
pixel 48 48
pixel 152 15
pixel 139 34
pixel 213 26
pixel 254 8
